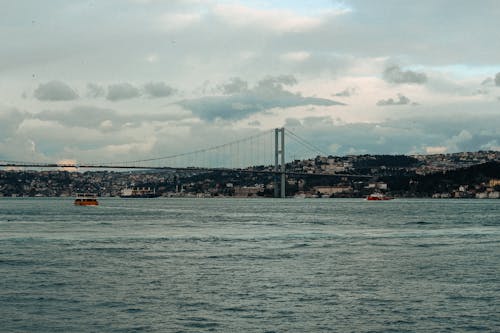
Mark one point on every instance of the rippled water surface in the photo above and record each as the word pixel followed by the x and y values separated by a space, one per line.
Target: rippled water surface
pixel 230 265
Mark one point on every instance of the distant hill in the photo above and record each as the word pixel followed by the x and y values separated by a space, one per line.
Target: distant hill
pixel 389 161
pixel 426 185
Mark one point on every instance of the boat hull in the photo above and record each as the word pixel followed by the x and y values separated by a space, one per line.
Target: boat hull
pixel 80 202
pixel 378 197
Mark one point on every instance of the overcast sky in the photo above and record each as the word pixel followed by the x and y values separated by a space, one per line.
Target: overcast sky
pixel 129 79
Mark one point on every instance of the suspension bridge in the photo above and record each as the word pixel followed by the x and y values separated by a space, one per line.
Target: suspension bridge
pixel 263 153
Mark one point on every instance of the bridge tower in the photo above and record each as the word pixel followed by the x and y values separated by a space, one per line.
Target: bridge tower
pixel 279 151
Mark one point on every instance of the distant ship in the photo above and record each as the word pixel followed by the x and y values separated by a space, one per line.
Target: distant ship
pixel 138 192
pixel 86 199
pixel 378 197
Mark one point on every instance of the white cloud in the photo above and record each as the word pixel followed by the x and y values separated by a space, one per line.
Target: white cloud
pixel 272 19
pixel 178 21
pixel 296 56
pixel 436 150
pixel 152 58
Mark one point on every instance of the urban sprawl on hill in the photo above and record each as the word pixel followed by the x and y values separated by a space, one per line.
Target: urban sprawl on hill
pixel 459 175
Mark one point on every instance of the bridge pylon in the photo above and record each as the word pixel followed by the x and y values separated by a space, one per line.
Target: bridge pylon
pixel 279 169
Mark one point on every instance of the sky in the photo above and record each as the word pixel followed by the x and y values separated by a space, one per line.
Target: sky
pixel 115 80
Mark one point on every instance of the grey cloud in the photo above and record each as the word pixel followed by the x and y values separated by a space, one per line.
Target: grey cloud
pixel 480 92
pixel 113 35
pixel 488 81
pixel 55 91
pixel 81 116
pixel 277 82
pixel 158 90
pixel 394 74
pixel 122 91
pixel 255 123
pixel 10 119
pixel 292 122
pixel 268 93
pixel 95 91
pixel 348 92
pixel 465 132
pixel 234 86
pixel 402 100
pixel 126 91
pixel 497 79
pixel 317 121
pixel 102 119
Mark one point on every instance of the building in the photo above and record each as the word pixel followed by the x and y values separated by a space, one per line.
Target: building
pixel 494 182
pixel 378 186
pixel 329 190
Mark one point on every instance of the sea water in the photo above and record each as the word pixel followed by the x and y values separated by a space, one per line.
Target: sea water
pixel 249 265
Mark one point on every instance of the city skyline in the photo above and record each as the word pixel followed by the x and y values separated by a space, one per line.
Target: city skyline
pixel 106 80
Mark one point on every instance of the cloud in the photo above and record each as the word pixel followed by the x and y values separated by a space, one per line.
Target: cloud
pixel 127 91
pixel 491 145
pixel 103 119
pixel 296 56
pixel 55 91
pixel 394 74
pixel 425 132
pixel 348 92
pixel 278 81
pixel 317 121
pixel 281 21
pixel 158 90
pixel 234 86
pixel 264 39
pixel 152 58
pixel 178 21
pixel 81 116
pixel 255 123
pixel 497 79
pixel 480 92
pixel 436 149
pixel 267 94
pixel 402 100
pixel 95 91
pixel 10 119
pixel 121 91
pixel 488 81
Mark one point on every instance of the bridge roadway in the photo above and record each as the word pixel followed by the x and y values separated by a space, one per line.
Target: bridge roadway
pixel 193 169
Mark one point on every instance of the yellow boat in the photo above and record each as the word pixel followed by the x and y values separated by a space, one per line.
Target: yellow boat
pixel 86 199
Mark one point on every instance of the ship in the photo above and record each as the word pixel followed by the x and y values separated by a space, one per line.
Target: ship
pixel 138 192
pixel 86 199
pixel 378 197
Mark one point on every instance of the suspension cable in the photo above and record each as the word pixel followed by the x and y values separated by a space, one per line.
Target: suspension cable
pixel 305 143
pixel 195 151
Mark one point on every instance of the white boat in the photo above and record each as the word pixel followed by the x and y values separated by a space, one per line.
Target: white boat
pixel 138 192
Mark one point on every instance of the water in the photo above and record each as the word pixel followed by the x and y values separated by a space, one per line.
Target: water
pixel 229 265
